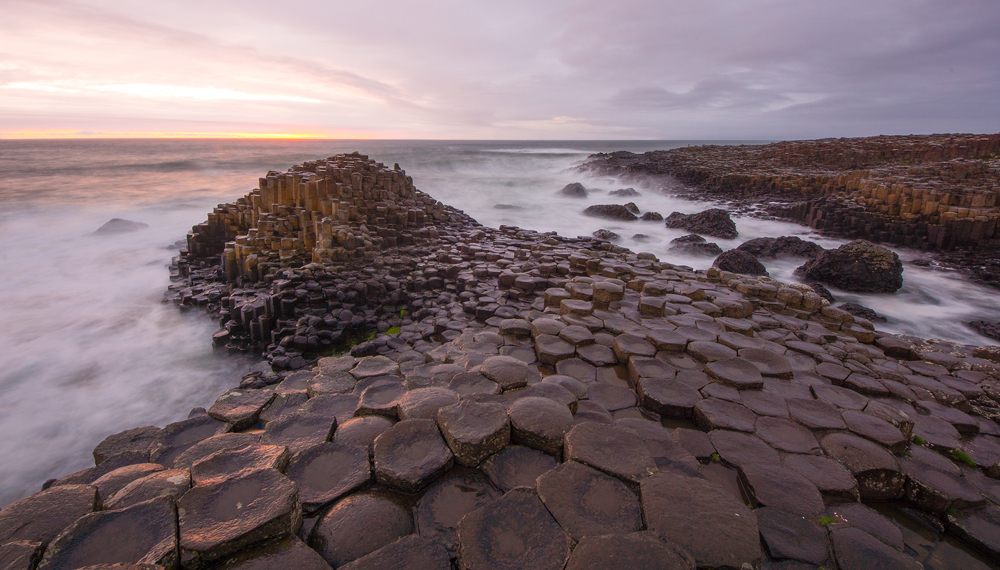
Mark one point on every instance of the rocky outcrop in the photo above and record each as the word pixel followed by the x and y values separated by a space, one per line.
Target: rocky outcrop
pixel 739 261
pixel 606 235
pixel 611 212
pixel 120 226
pixel 784 246
pixel 712 222
pixel 859 266
pixel 574 190
pixel 624 192
pixel 694 244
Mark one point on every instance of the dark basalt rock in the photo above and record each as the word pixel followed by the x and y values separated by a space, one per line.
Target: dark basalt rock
pixel 444 504
pixel 179 436
pixel 110 483
pixel 870 521
pixel 786 435
pixel 703 519
pixel 361 431
pixel 358 525
pixel 694 244
pixel 615 450
pixel 668 397
pixel 740 449
pixel 328 471
pixel 606 235
pixel 424 403
pixel 151 528
pixel 986 328
pixel 790 536
pixel 514 531
pixel 858 550
pixel 862 311
pixel 634 551
pixel 829 476
pixel 517 466
pixel 408 553
pixel 574 190
pixel 877 471
pixel 288 552
pixel 772 485
pixel 474 430
pixel 171 482
pixel 218 519
pixel 737 373
pixel 507 371
pixel 120 226
pixel 42 516
pixel 507 207
pixel 739 261
pixel 223 464
pixel 586 502
pixel 410 455
pixel 299 430
pixel 713 222
pixel 784 246
pixel 241 408
pixel 207 447
pixel 540 423
pixel 610 212
pixel 136 439
pixel 624 192
pixel 20 555
pixel 651 217
pixel 631 207
pixel 859 266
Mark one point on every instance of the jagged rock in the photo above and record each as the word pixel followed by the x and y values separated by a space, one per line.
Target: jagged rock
pixel 712 222
pixel 574 190
pixel 699 516
pixel 42 516
pixel 610 212
pixel 859 266
pixel 631 207
pixel 784 246
pixel 694 244
pixel 120 226
pixel 410 455
pixel 514 531
pixel 151 528
pixel 218 519
pixel 444 504
pixel 328 471
pixel 986 328
pixel 606 235
pixel 358 525
pixel 739 261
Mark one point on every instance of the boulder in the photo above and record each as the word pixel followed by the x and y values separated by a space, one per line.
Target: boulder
pixel 859 267
pixel 574 190
pixel 713 222
pixel 610 212
pixel 784 246
pixel 694 244
pixel 739 261
pixel 606 235
pixel 624 192
pixel 651 217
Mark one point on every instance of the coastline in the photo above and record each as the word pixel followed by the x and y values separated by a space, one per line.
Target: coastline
pixel 516 323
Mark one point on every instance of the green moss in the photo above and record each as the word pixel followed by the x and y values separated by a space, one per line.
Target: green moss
pixel 716 457
pixel 919 440
pixel 960 455
pixel 393 330
pixel 826 520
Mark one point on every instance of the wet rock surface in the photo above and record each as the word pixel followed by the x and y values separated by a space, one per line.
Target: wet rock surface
pixel 521 392
pixel 859 266
pixel 713 222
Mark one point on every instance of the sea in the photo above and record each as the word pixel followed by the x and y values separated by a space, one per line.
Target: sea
pixel 87 349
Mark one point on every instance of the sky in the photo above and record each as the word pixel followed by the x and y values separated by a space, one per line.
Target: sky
pixel 448 69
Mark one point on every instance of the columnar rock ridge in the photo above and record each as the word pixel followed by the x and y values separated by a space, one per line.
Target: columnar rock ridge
pixel 541 403
pixel 934 192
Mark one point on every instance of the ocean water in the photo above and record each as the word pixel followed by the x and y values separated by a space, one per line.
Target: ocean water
pixel 87 350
